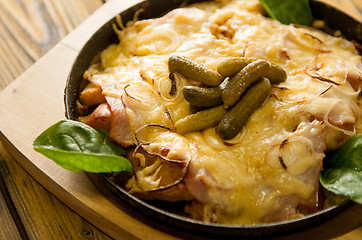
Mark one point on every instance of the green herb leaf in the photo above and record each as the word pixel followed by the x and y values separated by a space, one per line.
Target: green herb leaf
pixel 343 172
pixel 289 11
pixel 78 147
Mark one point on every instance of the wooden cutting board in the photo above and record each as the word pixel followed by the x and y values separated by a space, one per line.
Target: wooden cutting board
pixel 34 101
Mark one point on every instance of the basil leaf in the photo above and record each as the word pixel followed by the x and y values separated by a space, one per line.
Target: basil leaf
pixel 78 147
pixel 343 172
pixel 289 11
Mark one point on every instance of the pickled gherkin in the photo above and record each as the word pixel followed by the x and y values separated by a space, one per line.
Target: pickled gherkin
pixel 201 96
pixel 243 85
pixel 233 121
pixel 276 74
pixel 231 66
pixel 194 70
pixel 200 120
pixel 243 79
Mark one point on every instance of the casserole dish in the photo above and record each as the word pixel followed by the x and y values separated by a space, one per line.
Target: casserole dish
pixel 158 212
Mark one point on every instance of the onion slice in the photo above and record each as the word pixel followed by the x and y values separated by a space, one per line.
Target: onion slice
pixel 154 172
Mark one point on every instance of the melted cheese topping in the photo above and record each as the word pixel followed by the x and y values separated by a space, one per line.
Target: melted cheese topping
pixel 272 166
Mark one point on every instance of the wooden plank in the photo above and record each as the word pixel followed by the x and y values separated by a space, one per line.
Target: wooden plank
pixel 41 214
pixel 9 229
pixel 30 28
pixel 76 39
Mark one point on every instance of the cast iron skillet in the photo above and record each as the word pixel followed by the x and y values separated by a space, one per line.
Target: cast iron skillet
pixel 161 214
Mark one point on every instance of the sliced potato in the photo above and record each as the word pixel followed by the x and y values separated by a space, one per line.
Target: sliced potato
pixel 91 95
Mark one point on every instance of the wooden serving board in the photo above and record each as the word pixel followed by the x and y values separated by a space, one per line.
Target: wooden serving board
pixel 34 101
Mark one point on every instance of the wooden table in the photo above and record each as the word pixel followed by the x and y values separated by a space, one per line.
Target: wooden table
pixel 28 29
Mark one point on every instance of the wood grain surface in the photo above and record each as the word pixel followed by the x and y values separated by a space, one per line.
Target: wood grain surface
pixel 29 29
pixel 9 229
